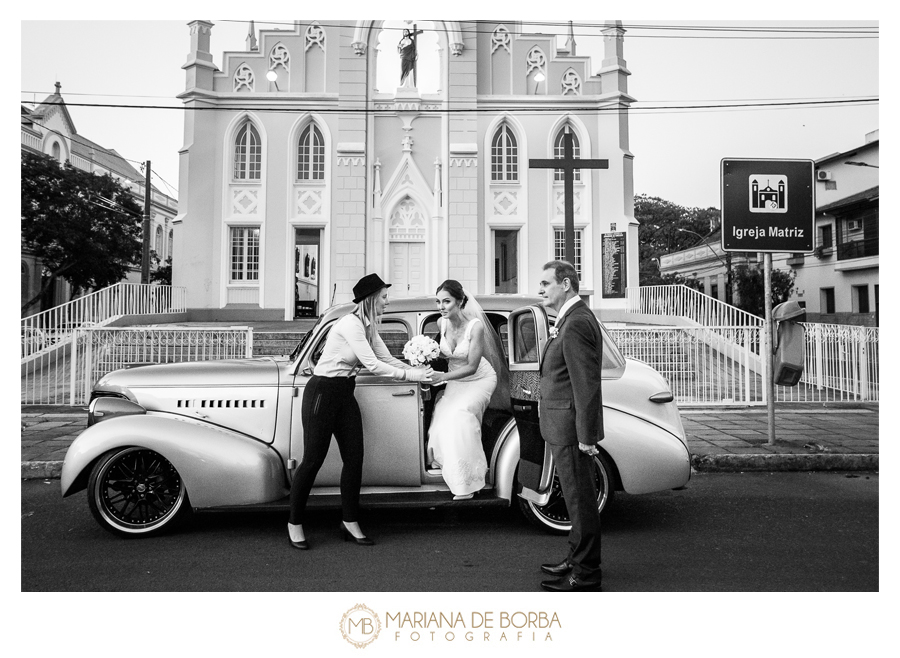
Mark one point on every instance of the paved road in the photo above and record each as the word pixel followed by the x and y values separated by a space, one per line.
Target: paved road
pixel 726 532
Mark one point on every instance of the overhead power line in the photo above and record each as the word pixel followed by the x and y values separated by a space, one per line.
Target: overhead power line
pixel 486 108
pixel 755 32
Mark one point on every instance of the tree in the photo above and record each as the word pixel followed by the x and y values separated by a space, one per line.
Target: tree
pixel 161 274
pixel 658 234
pixel 750 286
pixel 84 228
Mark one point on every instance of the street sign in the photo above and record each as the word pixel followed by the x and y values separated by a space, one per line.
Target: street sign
pixel 768 205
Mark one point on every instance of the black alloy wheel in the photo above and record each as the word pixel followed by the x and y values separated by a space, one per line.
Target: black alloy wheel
pixel 135 492
pixel 554 516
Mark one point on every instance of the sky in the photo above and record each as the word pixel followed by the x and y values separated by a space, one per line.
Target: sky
pixel 677 151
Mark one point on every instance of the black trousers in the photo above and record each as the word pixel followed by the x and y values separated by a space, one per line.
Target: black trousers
pixel 576 477
pixel 329 408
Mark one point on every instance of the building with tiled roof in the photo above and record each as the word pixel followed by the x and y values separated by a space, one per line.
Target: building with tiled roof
pixel 48 128
pixel 837 283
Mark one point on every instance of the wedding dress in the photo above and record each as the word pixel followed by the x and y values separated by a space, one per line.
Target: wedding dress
pixel 454 438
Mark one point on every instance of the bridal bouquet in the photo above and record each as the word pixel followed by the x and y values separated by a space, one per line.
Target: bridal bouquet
pixel 421 350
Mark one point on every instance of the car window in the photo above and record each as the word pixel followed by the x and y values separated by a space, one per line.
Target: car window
pixel 320 346
pixel 498 322
pixel 526 339
pixel 395 335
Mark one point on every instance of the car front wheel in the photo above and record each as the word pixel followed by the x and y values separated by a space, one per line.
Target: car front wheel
pixel 136 492
pixel 554 516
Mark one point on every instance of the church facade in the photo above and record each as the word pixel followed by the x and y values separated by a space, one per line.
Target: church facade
pixel 302 170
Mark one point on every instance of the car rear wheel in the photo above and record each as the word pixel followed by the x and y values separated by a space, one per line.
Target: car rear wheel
pixel 136 492
pixel 554 516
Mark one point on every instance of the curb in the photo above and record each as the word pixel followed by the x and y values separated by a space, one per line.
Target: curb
pixel 41 470
pixel 783 462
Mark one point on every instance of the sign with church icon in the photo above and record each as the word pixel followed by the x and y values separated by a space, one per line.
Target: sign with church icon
pixel 768 205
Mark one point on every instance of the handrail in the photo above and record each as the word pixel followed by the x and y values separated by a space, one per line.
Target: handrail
pixel 49 328
pixel 680 300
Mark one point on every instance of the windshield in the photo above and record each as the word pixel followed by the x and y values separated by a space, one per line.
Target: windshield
pixel 305 339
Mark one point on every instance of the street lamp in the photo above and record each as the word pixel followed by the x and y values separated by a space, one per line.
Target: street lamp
pixel 538 79
pixel 272 77
pixel 861 164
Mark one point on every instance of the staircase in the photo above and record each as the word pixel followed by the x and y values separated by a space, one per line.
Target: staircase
pixel 275 343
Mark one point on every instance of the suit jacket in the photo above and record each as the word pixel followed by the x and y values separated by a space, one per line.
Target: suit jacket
pixel 571 405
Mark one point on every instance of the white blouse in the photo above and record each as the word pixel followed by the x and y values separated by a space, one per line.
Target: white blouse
pixel 346 350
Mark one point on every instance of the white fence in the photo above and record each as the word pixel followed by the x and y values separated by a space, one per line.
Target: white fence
pixel 688 303
pixel 65 376
pixel 722 365
pixel 52 329
pixel 704 365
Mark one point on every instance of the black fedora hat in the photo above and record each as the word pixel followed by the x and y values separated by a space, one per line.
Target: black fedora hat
pixel 369 284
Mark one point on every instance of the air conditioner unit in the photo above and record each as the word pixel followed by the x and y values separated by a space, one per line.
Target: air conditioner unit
pixel 823 175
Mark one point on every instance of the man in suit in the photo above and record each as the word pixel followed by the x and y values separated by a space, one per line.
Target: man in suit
pixel 571 419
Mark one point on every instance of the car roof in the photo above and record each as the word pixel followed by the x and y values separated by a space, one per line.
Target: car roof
pixel 498 302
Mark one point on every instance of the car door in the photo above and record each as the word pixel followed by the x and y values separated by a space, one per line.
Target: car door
pixel 390 415
pixel 529 332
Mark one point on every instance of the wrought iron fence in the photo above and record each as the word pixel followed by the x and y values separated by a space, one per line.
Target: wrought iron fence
pixel 52 329
pixel 65 376
pixel 723 365
pixel 704 365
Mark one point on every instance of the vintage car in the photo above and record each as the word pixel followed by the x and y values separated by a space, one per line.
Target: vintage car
pixel 163 440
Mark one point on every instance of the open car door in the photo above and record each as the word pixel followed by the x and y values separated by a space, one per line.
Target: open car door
pixel 528 336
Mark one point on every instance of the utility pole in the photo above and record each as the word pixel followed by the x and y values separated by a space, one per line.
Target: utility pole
pixel 145 258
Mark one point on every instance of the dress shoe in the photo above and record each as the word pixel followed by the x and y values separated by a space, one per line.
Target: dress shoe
pixel 362 541
pixel 302 545
pixel 560 569
pixel 571 583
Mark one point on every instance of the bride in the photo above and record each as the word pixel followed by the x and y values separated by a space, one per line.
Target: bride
pixel 470 345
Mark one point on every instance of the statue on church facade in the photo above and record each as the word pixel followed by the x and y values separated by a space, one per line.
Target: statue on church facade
pixel 408 56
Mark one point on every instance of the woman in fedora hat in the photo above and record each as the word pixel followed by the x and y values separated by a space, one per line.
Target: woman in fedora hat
pixel 330 408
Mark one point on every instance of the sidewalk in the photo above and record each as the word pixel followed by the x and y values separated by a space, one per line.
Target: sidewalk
pixel 808 437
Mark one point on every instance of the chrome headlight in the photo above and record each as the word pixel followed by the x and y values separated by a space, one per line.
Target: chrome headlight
pixel 104 408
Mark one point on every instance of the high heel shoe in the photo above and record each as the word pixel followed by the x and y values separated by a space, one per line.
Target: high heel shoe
pixel 347 535
pixel 302 545
pixel 463 497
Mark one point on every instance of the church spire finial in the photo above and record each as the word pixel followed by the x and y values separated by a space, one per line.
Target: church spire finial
pixel 570 42
pixel 251 38
pixel 58 87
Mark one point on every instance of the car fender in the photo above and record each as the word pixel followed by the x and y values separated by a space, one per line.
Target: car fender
pixel 219 467
pixel 506 460
pixel 647 457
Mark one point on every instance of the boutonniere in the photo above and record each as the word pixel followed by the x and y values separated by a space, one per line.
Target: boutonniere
pixel 554 332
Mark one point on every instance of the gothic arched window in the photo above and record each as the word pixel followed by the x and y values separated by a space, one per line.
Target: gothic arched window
pixel 311 154
pixel 504 155
pixel 171 243
pixel 247 153
pixel 560 152
pixel 157 244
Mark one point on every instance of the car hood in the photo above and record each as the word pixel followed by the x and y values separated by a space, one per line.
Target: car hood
pixel 227 372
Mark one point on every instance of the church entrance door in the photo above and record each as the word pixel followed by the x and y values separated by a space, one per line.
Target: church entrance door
pixel 306 272
pixel 407 269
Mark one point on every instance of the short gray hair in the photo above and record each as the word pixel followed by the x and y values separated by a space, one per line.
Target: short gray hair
pixel 563 270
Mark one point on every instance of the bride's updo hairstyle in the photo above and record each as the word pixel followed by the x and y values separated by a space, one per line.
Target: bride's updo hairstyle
pixel 455 289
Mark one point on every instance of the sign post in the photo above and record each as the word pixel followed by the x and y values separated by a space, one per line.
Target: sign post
pixel 768 206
